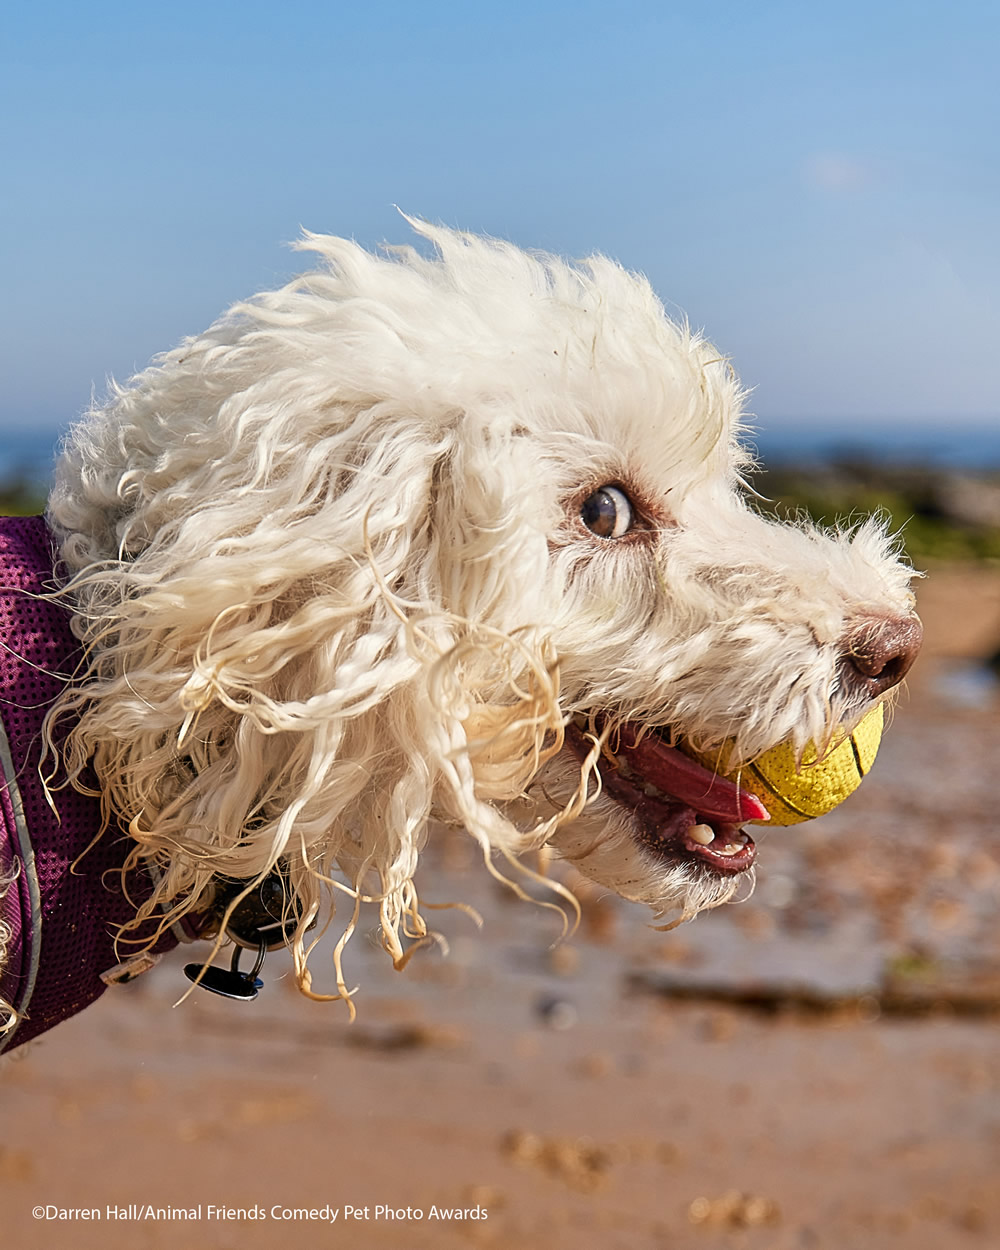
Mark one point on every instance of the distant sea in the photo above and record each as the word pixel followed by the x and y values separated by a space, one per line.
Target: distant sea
pixel 958 445
pixel 30 453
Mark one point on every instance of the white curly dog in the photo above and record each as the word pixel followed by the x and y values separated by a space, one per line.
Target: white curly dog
pixel 419 539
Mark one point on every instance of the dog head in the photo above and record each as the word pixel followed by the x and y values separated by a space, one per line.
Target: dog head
pixel 458 537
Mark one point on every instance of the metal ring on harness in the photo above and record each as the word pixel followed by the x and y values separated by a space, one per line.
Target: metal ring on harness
pixel 261 921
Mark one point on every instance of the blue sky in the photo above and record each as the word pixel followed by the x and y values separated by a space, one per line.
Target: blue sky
pixel 817 185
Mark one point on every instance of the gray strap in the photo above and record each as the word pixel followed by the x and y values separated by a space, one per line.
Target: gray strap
pixel 26 854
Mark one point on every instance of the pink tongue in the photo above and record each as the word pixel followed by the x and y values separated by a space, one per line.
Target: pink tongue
pixel 676 774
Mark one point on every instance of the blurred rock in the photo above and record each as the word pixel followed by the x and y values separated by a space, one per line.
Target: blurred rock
pixel 557 1013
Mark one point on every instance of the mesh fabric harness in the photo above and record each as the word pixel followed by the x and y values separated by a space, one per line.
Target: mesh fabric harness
pixel 60 920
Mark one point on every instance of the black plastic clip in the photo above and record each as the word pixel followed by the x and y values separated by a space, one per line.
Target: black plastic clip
pixel 230 982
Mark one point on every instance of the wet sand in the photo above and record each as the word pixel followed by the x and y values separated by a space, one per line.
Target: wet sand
pixel 565 1096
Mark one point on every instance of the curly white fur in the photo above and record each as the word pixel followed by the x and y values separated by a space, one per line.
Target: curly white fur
pixel 329 565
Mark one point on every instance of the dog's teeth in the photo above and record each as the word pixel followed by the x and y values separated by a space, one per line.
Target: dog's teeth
pixel 731 848
pixel 702 833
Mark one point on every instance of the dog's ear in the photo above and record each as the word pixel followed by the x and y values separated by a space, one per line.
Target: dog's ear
pixel 494 509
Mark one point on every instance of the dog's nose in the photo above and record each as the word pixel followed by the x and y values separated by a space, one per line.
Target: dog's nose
pixel 879 651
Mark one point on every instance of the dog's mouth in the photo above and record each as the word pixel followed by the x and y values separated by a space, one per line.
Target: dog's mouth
pixel 682 810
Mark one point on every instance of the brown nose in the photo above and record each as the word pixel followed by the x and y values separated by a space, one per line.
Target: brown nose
pixel 879 651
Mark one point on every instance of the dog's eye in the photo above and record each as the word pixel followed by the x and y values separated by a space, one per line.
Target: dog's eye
pixel 607 512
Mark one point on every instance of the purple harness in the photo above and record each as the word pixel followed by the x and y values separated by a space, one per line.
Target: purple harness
pixel 59 922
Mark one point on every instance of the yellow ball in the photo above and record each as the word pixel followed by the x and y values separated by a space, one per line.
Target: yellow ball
pixel 794 793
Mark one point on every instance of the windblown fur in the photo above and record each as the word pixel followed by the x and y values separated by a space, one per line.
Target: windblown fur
pixel 328 565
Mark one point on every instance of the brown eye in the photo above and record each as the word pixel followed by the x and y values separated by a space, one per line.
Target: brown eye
pixel 607 512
